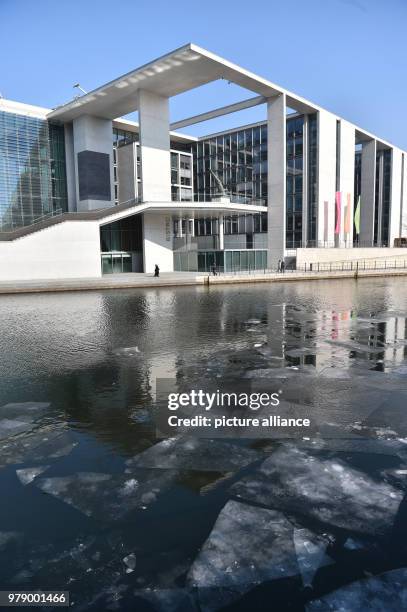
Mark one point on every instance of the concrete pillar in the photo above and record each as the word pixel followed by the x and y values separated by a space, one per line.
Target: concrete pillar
pixel 403 212
pixel 395 195
pixel 93 152
pixel 326 177
pixel 70 167
pixel 127 172
pixel 276 186
pixel 221 233
pixel 157 244
pixel 347 179
pixel 154 147
pixel 367 195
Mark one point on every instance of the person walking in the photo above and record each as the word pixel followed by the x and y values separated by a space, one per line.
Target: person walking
pixel 213 269
pixel 282 266
pixel 156 271
pixel 279 265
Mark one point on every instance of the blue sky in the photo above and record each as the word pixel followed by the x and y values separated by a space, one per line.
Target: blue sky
pixel 349 56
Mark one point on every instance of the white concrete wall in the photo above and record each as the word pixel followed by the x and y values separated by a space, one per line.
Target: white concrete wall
pixel 276 185
pixel 395 198
pixel 93 134
pixel 66 250
pixel 331 255
pixel 154 147
pixel 326 173
pixel 403 215
pixel 157 243
pixel 126 172
pixel 347 178
pixel 367 195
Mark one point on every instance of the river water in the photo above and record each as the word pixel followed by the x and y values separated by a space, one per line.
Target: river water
pixel 94 504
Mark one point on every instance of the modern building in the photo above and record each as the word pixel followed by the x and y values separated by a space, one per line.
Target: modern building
pixel 85 192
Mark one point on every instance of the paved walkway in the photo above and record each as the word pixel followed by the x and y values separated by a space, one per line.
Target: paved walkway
pixel 178 279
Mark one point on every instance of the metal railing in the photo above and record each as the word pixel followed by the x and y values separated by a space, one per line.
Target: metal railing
pixel 323 267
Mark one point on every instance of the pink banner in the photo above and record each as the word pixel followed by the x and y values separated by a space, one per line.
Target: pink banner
pixel 338 200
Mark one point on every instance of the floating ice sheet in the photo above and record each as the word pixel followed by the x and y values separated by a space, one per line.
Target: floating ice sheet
pixel 195 454
pixel 247 546
pixel 311 553
pixel 325 489
pixel 384 593
pixel 167 600
pixel 39 446
pixel 108 496
pixel 27 475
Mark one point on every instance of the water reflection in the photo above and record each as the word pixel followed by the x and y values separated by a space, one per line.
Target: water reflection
pixel 88 363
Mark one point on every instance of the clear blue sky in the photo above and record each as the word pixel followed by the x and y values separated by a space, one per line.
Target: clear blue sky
pixel 349 56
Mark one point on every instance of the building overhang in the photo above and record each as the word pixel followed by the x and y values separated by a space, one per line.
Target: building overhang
pixel 192 210
pixel 181 70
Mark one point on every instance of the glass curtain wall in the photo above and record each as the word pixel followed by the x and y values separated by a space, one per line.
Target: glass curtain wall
pixel 382 197
pixel 32 170
pixel 233 164
pixel 294 191
pixel 312 179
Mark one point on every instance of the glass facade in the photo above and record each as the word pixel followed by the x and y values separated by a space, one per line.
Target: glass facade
pixel 294 184
pixel 225 261
pixel 382 197
pixel 233 164
pixel 357 188
pixel 121 245
pixel 32 170
pixel 181 177
pixel 312 178
pixel 120 139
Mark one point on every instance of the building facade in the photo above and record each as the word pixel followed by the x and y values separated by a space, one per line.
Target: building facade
pixel 145 193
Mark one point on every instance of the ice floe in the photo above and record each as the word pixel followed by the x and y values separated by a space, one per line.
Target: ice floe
pixel 27 475
pixel 311 553
pixel 326 489
pixel 167 600
pixel 383 593
pixel 195 454
pixel 247 546
pixel 108 496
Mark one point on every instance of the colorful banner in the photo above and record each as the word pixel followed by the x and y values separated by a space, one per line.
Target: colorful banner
pixel 357 217
pixel 338 200
pixel 326 212
pixel 347 216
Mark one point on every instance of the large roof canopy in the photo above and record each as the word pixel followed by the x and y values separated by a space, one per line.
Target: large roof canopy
pixel 181 70
pixel 177 72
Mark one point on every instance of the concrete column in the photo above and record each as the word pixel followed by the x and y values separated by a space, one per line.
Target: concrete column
pixel 154 147
pixel 347 179
pixel 367 195
pixel 157 245
pixel 326 176
pixel 70 167
pixel 221 224
pixel 93 152
pixel 127 173
pixel 403 212
pixel 396 194
pixel 276 186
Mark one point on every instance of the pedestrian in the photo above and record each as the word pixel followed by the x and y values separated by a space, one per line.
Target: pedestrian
pixel 213 268
pixel 282 266
pixel 279 265
pixel 156 271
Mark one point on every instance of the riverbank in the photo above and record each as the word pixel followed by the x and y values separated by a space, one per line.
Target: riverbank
pixel 180 279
